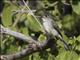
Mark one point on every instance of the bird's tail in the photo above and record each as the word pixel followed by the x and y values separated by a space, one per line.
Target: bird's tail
pixel 66 46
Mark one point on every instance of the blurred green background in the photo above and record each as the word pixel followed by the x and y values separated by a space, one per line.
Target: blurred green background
pixel 69 23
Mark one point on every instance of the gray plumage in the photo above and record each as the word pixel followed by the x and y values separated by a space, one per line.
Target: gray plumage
pixel 53 30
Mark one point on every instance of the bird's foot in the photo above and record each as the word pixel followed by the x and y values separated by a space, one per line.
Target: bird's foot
pixel 35 46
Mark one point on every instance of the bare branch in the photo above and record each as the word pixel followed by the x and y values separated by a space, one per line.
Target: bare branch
pixel 25 52
pixel 22 37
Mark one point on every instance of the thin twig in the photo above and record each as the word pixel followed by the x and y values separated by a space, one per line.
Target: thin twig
pixel 31 12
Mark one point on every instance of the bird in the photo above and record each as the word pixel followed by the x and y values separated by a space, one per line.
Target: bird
pixel 52 29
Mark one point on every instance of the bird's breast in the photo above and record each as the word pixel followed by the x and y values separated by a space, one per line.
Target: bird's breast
pixel 47 26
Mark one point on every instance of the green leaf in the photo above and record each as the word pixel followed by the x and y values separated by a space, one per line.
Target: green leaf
pixel 41 38
pixel 12 49
pixel 68 22
pixel 79 58
pixel 67 55
pixel 7 15
pixel 23 17
pixel 24 30
pixel 78 38
pixel 78 47
pixel 76 8
pixel 32 23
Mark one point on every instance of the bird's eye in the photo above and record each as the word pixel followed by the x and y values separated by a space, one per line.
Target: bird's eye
pixel 45 15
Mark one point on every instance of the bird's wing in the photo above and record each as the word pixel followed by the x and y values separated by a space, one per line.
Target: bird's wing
pixel 54 24
pixel 56 27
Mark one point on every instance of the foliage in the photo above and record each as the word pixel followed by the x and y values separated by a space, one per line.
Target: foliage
pixel 22 22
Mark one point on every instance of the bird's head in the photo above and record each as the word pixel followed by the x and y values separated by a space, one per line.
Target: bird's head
pixel 44 18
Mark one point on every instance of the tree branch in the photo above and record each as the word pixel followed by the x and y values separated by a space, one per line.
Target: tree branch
pixel 22 37
pixel 25 52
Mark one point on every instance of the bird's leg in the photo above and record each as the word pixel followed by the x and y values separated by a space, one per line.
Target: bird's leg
pixel 34 45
